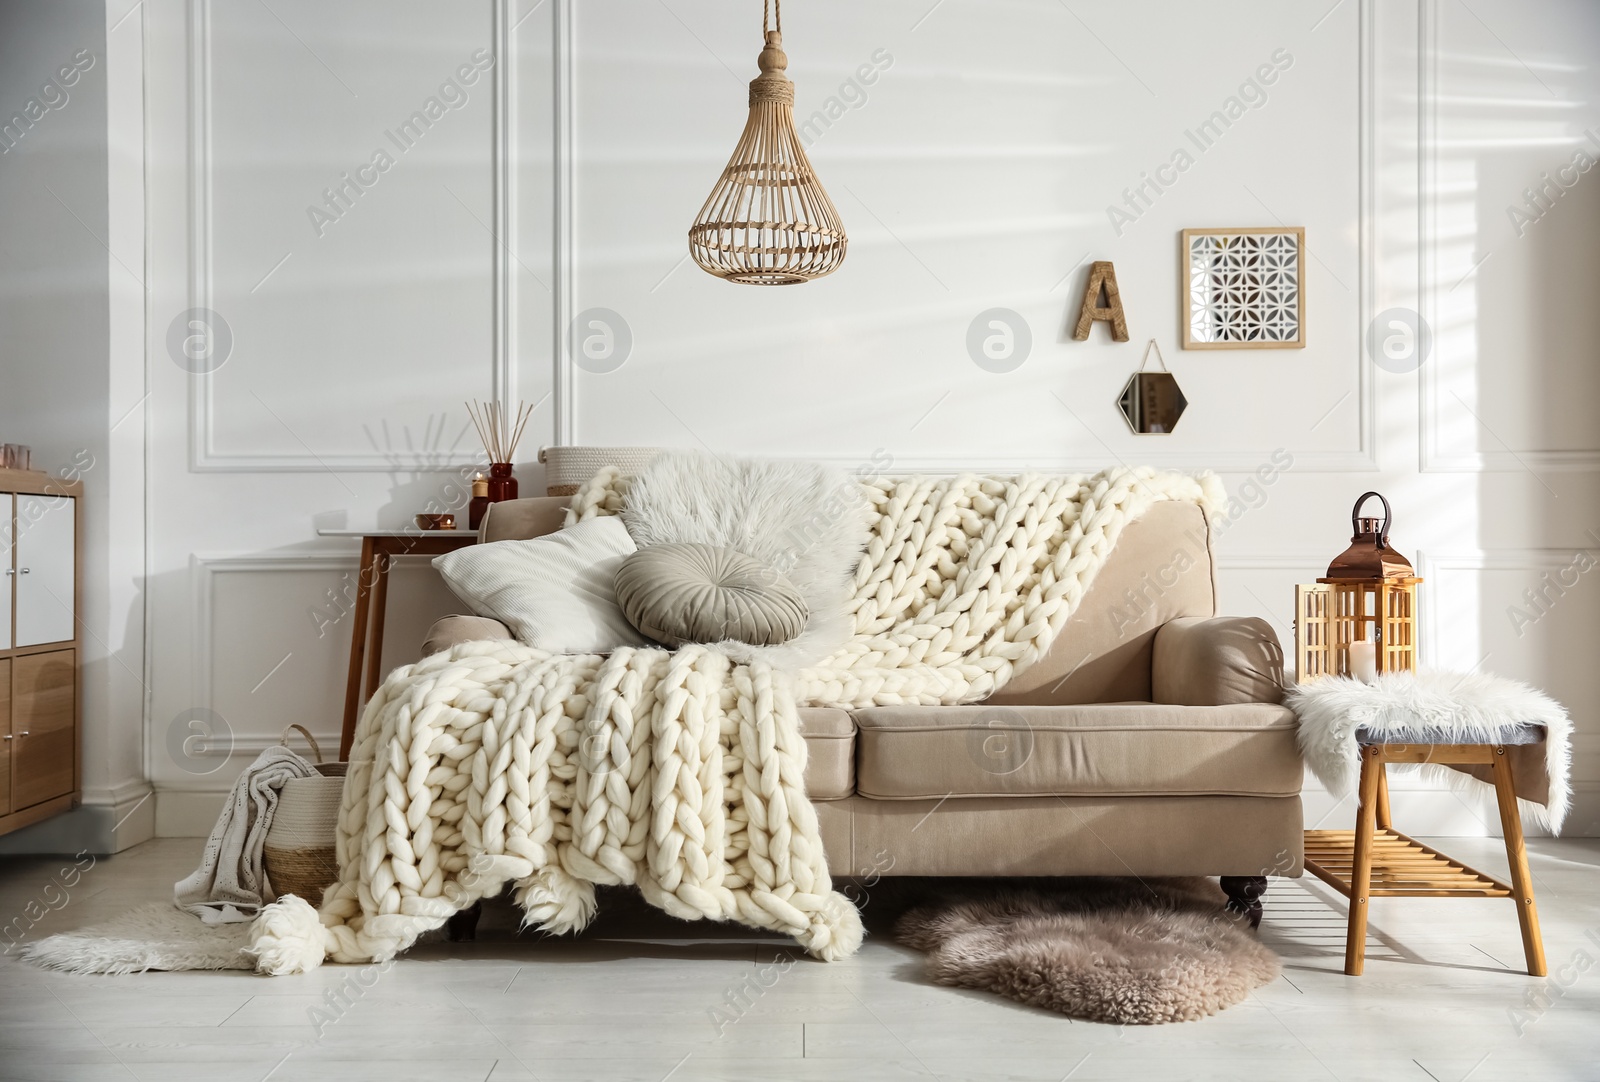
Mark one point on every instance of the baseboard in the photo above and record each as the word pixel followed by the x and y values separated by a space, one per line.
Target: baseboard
pixel 105 821
pixel 133 809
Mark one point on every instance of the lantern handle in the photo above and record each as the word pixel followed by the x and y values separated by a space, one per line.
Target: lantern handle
pixel 1355 515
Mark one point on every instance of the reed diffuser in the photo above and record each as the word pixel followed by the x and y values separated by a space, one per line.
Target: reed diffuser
pixel 500 435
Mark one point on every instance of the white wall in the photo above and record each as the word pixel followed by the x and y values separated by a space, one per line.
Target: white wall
pixel 71 285
pixel 974 172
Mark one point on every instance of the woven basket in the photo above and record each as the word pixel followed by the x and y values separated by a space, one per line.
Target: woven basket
pixel 299 855
pixel 565 468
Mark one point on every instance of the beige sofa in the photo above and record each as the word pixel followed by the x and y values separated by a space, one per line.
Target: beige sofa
pixel 1149 741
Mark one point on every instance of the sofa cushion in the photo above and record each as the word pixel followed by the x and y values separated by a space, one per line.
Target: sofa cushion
pixel 556 592
pixel 694 592
pixel 1111 749
pixel 830 752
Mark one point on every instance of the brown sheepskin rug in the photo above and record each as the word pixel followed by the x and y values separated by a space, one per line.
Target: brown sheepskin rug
pixel 1107 950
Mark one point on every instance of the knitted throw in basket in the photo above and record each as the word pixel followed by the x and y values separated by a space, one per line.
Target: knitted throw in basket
pixel 682 772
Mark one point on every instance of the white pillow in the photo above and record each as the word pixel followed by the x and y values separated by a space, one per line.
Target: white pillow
pixel 555 592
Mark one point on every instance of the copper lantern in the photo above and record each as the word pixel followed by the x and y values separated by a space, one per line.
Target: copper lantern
pixel 1361 618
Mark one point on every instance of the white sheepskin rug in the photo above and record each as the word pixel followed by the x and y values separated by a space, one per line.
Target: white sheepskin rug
pixel 1125 951
pixel 806 520
pixel 157 935
pixel 1429 707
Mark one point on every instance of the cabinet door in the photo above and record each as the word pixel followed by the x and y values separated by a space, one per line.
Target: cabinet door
pixel 8 575
pixel 44 700
pixel 6 739
pixel 46 558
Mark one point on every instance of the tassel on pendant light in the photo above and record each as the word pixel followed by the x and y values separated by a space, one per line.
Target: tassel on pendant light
pixel 768 222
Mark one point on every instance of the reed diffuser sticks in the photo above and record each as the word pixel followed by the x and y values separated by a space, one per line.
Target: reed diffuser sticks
pixel 500 434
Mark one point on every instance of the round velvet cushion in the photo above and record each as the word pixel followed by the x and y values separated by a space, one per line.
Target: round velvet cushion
pixel 693 592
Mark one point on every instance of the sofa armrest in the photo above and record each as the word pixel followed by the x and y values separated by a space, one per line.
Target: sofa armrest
pixel 451 630
pixel 1216 661
pixel 518 520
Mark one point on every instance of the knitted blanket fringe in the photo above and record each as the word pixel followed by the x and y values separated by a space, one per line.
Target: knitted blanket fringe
pixel 682 772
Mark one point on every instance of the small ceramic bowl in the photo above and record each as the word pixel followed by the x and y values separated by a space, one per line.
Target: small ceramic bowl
pixel 436 522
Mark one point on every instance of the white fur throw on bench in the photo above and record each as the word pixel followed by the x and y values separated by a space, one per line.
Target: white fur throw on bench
pixel 682 772
pixel 1438 708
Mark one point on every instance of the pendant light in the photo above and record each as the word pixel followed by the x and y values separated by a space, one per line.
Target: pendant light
pixel 767 221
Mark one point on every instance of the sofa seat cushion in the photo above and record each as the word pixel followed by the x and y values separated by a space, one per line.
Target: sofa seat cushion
pixel 1103 749
pixel 830 737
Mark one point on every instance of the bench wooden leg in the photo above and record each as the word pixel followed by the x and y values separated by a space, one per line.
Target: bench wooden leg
pixel 1385 820
pixel 1355 946
pixel 1505 792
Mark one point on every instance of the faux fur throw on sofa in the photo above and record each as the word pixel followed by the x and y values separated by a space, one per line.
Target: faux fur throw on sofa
pixel 682 772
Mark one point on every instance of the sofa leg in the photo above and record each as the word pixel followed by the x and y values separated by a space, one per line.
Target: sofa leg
pixel 1244 895
pixel 463 926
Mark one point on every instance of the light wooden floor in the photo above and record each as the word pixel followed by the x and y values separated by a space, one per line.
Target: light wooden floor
pixel 633 999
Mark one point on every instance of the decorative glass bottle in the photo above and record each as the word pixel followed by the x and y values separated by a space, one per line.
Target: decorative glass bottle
pixel 502 486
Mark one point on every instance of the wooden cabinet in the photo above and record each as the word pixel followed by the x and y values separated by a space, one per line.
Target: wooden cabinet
pixel 40 575
pixel 5 733
pixel 45 573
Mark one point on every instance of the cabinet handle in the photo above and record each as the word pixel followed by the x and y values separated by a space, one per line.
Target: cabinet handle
pixel 25 571
pixel 23 733
pixel 8 736
pixel 10 571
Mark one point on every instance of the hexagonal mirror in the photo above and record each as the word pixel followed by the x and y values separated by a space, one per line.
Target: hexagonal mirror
pixel 1152 402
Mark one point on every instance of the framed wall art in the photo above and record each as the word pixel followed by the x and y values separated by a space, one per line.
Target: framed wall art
pixel 1244 288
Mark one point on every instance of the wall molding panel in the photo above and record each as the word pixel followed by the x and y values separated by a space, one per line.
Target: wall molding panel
pixel 1434 456
pixel 204 570
pixel 504 155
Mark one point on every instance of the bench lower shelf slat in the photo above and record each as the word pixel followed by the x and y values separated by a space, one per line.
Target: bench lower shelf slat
pixel 1401 867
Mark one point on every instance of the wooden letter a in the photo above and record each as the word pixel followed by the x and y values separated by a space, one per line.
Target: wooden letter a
pixel 1102 274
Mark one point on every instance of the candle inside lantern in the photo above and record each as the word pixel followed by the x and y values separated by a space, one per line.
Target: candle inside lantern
pixel 1364 661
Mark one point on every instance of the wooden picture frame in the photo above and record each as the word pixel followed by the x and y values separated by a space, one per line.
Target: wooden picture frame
pixel 1267 311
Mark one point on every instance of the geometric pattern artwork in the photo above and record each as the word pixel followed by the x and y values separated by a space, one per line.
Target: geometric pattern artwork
pixel 1245 288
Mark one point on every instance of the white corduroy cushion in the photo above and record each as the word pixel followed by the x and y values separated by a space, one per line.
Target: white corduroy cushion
pixel 555 592
pixel 693 592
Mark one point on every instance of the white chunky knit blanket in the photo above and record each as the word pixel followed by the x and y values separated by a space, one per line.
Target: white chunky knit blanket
pixel 682 772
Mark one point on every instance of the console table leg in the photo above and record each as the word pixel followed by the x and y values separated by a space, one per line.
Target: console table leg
pixel 1244 895
pixel 380 605
pixel 358 648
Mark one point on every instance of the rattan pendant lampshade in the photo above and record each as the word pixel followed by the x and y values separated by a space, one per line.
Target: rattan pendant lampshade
pixel 767 221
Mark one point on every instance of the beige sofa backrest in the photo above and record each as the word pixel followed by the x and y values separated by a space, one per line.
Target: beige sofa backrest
pixel 1162 568
pixel 518 520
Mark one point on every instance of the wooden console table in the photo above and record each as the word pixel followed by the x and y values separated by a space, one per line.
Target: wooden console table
pixel 378 549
